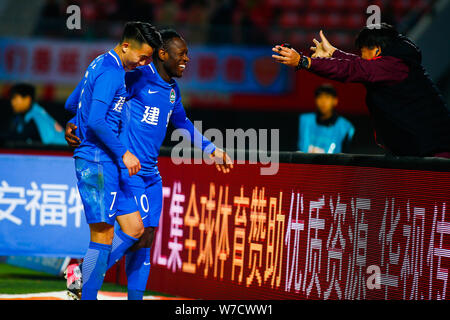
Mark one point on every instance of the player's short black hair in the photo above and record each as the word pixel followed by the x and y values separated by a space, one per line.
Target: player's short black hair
pixel 376 35
pixel 167 35
pixel 141 32
pixel 23 89
pixel 325 89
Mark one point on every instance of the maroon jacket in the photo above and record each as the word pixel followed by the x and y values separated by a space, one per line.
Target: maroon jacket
pixel 408 113
pixel 347 67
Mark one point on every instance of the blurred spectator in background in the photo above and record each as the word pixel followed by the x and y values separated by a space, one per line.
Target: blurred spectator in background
pixel 221 19
pixel 50 18
pixel 197 18
pixel 251 32
pixel 324 131
pixel 138 10
pixel 30 122
pixel 51 10
pixel 168 13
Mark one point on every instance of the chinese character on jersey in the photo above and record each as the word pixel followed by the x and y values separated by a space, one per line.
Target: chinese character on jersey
pixel 151 115
pixel 119 104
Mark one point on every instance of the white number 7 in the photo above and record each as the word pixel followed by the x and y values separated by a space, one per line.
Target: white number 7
pixel 114 200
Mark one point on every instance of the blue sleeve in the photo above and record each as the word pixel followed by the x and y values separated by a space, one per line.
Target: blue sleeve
pixel 181 121
pixel 132 82
pixel 97 123
pixel 74 98
pixel 106 85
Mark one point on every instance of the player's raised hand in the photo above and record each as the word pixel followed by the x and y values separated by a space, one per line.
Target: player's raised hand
pixel 286 56
pixel 222 160
pixel 70 136
pixel 322 49
pixel 131 162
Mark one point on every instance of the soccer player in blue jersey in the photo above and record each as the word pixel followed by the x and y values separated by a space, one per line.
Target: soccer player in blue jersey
pixel 154 100
pixel 97 101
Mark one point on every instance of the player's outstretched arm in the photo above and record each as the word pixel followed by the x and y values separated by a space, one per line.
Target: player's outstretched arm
pixel 181 121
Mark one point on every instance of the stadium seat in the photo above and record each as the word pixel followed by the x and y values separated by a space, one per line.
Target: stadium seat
pixel 317 5
pixel 313 20
pixel 289 19
pixel 331 20
pixel 356 5
pixel 298 40
pixel 336 5
pixel 354 21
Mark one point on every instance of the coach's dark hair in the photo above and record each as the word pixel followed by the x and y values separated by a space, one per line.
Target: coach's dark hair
pixel 325 89
pixel 167 35
pixel 141 32
pixel 23 89
pixel 376 35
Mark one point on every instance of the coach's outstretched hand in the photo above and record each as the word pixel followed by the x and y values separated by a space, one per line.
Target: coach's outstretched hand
pixel 131 162
pixel 70 136
pixel 222 160
pixel 322 49
pixel 286 56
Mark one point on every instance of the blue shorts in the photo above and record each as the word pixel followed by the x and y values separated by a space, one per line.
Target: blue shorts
pixel 148 197
pixel 102 190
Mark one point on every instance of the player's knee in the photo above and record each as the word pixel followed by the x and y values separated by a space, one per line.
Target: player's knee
pixel 137 231
pixel 131 224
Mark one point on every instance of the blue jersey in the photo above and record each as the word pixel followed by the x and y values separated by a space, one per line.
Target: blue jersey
pixel 152 103
pixel 102 85
pixel 320 138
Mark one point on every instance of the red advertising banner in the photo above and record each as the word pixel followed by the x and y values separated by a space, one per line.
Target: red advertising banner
pixel 308 232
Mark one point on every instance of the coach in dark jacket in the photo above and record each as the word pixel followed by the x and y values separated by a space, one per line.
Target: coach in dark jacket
pixel 409 114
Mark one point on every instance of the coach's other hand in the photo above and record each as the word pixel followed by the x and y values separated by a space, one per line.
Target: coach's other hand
pixel 131 162
pixel 286 56
pixel 322 49
pixel 222 160
pixel 70 136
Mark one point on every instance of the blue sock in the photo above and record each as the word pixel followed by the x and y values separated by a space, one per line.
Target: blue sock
pixel 138 270
pixel 95 264
pixel 121 243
